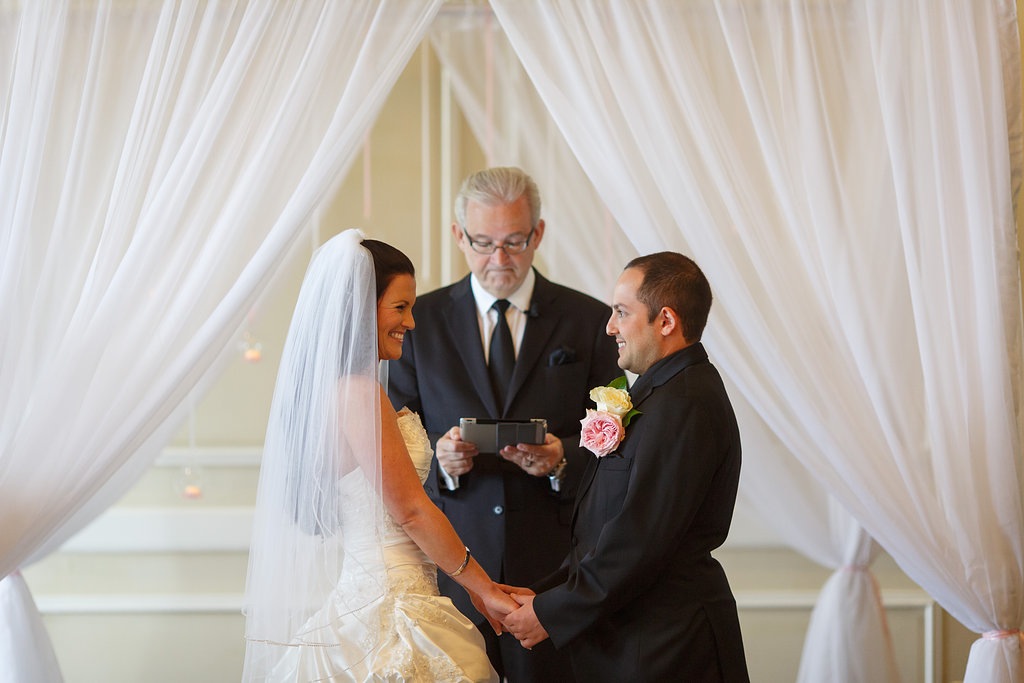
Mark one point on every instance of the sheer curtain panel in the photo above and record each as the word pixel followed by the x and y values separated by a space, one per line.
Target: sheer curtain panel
pixel 157 160
pixel 844 172
pixel 848 638
pixel 584 247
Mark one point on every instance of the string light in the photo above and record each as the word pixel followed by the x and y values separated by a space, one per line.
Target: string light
pixel 189 483
pixel 252 349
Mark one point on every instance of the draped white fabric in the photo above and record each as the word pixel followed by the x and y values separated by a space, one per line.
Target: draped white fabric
pixel 844 172
pixel 849 608
pixel 157 160
pixel 848 639
pixel 583 246
pixel 23 631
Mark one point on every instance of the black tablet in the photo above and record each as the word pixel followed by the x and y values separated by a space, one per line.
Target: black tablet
pixel 490 436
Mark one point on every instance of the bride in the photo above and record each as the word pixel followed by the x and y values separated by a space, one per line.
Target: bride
pixel 342 582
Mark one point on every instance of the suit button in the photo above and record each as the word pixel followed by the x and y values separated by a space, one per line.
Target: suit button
pixel 574 542
pixel 498 509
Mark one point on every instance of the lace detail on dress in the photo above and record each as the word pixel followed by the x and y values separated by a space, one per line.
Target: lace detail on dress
pixel 417 442
pixel 404 615
pixel 390 525
pixel 415 666
pixel 420 579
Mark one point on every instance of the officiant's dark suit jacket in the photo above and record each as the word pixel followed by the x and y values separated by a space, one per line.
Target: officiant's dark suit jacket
pixel 640 598
pixel 515 525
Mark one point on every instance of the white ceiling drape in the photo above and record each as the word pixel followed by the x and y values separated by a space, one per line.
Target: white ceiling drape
pixel 157 161
pixel 844 172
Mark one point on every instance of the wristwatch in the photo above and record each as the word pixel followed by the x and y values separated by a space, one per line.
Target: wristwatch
pixel 556 475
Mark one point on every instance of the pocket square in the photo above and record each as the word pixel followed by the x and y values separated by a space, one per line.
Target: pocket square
pixel 563 355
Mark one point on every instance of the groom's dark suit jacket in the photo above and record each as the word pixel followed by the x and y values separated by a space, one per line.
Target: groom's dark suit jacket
pixel 515 525
pixel 640 598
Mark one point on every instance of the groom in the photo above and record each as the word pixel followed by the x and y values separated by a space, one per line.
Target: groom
pixel 639 597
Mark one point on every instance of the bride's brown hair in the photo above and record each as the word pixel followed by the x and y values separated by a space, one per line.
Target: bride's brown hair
pixel 388 262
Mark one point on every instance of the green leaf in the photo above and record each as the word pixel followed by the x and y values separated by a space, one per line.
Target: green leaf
pixel 619 383
pixel 623 383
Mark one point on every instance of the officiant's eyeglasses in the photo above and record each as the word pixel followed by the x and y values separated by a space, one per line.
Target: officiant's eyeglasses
pixel 510 246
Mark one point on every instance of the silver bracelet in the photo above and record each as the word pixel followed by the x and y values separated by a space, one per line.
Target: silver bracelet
pixel 462 567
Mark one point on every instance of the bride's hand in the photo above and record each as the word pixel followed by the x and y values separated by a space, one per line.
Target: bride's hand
pixel 515 590
pixel 495 604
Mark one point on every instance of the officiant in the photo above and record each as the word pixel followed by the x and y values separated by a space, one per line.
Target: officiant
pixel 505 342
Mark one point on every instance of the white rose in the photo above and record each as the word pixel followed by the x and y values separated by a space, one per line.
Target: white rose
pixel 614 401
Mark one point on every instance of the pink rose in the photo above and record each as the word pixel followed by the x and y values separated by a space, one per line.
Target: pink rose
pixel 602 432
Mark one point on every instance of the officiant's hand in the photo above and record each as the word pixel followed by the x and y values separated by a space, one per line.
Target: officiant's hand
pixel 523 623
pixel 536 459
pixel 455 455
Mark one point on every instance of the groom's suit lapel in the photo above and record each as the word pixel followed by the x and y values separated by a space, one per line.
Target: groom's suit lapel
pixel 581 492
pixel 460 316
pixel 658 374
pixel 664 370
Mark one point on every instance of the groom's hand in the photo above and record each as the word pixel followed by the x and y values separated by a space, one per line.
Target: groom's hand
pixel 536 459
pixel 454 454
pixel 523 623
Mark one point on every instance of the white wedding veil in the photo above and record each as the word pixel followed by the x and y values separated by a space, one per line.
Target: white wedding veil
pixel 314 468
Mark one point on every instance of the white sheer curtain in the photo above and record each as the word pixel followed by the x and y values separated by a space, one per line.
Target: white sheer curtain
pixel 157 160
pixel 583 246
pixel 848 639
pixel 844 171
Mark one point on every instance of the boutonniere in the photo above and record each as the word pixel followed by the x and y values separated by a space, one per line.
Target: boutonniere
pixel 605 428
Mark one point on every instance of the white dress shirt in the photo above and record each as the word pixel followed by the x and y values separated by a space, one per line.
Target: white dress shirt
pixel 487 320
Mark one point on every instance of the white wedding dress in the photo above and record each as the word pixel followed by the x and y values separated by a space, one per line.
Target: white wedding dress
pixel 410 633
